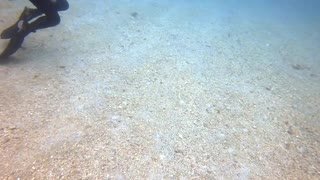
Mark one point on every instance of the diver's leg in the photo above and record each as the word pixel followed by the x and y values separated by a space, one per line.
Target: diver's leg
pixel 40 23
pixel 57 5
pixel 50 8
pixel 50 19
pixel 29 14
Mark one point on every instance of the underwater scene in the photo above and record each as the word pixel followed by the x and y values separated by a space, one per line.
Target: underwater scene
pixel 160 89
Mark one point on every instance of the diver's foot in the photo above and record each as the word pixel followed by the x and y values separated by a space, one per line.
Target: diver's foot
pixel 13 46
pixel 13 30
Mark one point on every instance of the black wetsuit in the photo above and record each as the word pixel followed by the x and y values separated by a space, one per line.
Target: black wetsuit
pixel 50 8
pixel 17 32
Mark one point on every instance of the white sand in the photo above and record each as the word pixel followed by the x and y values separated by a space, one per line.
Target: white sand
pixel 176 91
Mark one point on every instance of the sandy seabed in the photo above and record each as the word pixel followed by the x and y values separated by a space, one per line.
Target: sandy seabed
pixel 161 90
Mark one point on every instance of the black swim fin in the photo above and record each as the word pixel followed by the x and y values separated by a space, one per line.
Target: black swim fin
pixel 26 15
pixel 13 46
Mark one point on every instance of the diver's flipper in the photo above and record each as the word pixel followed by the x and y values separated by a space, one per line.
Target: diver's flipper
pixel 13 46
pixel 25 16
pixel 10 31
pixel 15 28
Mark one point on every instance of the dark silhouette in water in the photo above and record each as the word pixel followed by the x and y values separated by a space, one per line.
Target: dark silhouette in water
pixel 18 31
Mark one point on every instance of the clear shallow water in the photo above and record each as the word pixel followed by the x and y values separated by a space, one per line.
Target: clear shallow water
pixel 145 89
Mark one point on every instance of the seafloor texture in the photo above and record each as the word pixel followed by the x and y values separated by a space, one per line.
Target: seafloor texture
pixel 161 89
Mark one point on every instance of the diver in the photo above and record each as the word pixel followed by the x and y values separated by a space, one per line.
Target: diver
pixel 18 31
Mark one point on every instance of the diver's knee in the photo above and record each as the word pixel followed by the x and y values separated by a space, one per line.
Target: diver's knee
pixel 62 5
pixel 54 21
pixel 57 21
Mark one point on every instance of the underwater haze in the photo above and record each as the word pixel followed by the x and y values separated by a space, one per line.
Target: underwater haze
pixel 164 89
